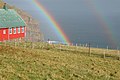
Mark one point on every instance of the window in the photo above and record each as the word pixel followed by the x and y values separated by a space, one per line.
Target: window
pixel 4 31
pixel 10 30
pixel 14 30
pixel 22 29
pixel 18 29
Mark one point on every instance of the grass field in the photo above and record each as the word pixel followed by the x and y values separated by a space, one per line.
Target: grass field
pixel 46 63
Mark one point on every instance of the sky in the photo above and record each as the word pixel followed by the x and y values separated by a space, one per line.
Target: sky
pixel 96 21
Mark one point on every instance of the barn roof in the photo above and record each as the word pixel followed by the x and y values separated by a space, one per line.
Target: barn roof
pixel 10 18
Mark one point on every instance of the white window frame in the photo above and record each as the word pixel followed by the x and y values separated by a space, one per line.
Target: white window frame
pixel 10 30
pixel 4 31
pixel 18 29
pixel 23 29
pixel 15 30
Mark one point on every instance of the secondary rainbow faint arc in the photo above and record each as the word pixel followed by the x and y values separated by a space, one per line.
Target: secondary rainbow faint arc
pixel 54 25
pixel 104 24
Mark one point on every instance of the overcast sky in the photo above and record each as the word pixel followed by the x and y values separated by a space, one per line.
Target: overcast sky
pixel 80 19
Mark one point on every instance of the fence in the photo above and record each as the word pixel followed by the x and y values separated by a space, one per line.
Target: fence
pixel 77 49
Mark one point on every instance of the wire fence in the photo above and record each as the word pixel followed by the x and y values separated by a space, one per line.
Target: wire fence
pixel 85 49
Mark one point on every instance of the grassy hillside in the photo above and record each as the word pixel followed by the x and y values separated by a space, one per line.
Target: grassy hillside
pixel 47 63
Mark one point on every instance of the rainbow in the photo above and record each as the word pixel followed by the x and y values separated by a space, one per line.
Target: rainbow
pixel 53 24
pixel 103 21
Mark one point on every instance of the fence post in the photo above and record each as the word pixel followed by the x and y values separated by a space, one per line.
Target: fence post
pixel 18 42
pixel 24 45
pixel 32 45
pixel 107 49
pixel 76 48
pixel 86 45
pixel 89 50
pixel 118 55
pixel 5 43
pixel 67 47
pixel 15 43
pixel 104 54
pixel 60 47
pixel 79 45
pixel 97 46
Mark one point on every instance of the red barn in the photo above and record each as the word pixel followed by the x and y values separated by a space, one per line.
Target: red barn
pixel 12 26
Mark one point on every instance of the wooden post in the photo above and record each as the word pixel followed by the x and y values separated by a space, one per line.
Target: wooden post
pixel 97 46
pixel 67 47
pixel 86 45
pixel 104 54
pixel 15 43
pixel 18 42
pixel 5 43
pixel 118 55
pixel 32 45
pixel 76 48
pixel 80 45
pixel 60 47
pixel 107 49
pixel 24 45
pixel 89 50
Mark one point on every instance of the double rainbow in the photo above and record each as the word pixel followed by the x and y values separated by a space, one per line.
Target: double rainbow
pixel 59 31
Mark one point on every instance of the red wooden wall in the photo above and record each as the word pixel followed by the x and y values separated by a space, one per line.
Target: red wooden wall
pixel 8 36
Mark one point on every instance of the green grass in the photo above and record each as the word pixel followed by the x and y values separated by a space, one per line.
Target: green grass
pixel 48 62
